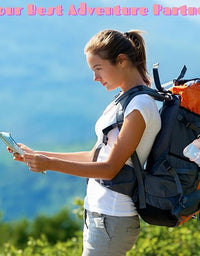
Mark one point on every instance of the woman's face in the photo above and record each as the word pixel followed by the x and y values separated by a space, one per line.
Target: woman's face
pixel 107 74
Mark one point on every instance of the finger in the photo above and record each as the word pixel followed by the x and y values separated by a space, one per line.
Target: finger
pixel 34 169
pixel 18 157
pixel 9 150
pixel 28 157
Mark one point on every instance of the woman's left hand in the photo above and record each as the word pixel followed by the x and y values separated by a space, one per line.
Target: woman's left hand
pixel 36 162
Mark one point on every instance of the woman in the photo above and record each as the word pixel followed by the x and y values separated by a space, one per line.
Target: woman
pixel 112 224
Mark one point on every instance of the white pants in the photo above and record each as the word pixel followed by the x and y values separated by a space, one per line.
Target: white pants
pixel 109 235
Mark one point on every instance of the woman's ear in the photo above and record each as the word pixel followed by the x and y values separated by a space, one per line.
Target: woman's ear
pixel 122 59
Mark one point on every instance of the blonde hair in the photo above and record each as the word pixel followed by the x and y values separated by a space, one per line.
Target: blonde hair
pixel 108 44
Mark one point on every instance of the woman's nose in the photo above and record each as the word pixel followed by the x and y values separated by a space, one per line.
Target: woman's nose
pixel 96 77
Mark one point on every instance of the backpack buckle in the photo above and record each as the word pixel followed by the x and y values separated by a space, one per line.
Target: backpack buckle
pixel 105 139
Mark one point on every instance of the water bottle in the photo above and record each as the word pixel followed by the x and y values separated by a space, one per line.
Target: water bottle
pixel 192 151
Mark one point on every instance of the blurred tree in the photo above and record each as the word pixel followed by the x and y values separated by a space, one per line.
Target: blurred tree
pixel 59 227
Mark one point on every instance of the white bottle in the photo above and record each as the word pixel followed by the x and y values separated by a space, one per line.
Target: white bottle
pixel 192 151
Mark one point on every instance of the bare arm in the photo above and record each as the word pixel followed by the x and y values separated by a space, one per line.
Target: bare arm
pixel 84 156
pixel 132 131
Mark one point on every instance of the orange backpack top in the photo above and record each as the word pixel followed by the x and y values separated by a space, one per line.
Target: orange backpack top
pixel 190 95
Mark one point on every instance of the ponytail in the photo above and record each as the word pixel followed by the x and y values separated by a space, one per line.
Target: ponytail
pixel 139 56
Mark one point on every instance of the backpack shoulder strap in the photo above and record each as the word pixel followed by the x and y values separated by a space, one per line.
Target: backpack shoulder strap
pixel 123 101
pixel 125 98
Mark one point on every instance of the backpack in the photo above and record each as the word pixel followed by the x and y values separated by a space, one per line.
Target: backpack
pixel 167 191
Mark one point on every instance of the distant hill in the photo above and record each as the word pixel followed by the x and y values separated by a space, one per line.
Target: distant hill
pixel 27 194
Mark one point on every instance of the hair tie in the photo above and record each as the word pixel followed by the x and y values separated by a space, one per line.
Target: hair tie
pixel 133 38
pixel 127 34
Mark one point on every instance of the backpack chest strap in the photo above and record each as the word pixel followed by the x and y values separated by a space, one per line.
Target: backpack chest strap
pixel 105 139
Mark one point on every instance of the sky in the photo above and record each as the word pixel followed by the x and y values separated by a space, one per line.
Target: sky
pixel 24 34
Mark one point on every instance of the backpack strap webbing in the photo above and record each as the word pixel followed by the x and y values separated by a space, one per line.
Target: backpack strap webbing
pixel 174 174
pixel 123 101
pixel 105 139
pixel 176 81
pixel 157 78
pixel 138 172
pixel 143 89
pixel 179 81
pixel 187 124
pixel 182 74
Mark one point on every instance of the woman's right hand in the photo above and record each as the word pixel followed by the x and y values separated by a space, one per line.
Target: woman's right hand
pixel 17 156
